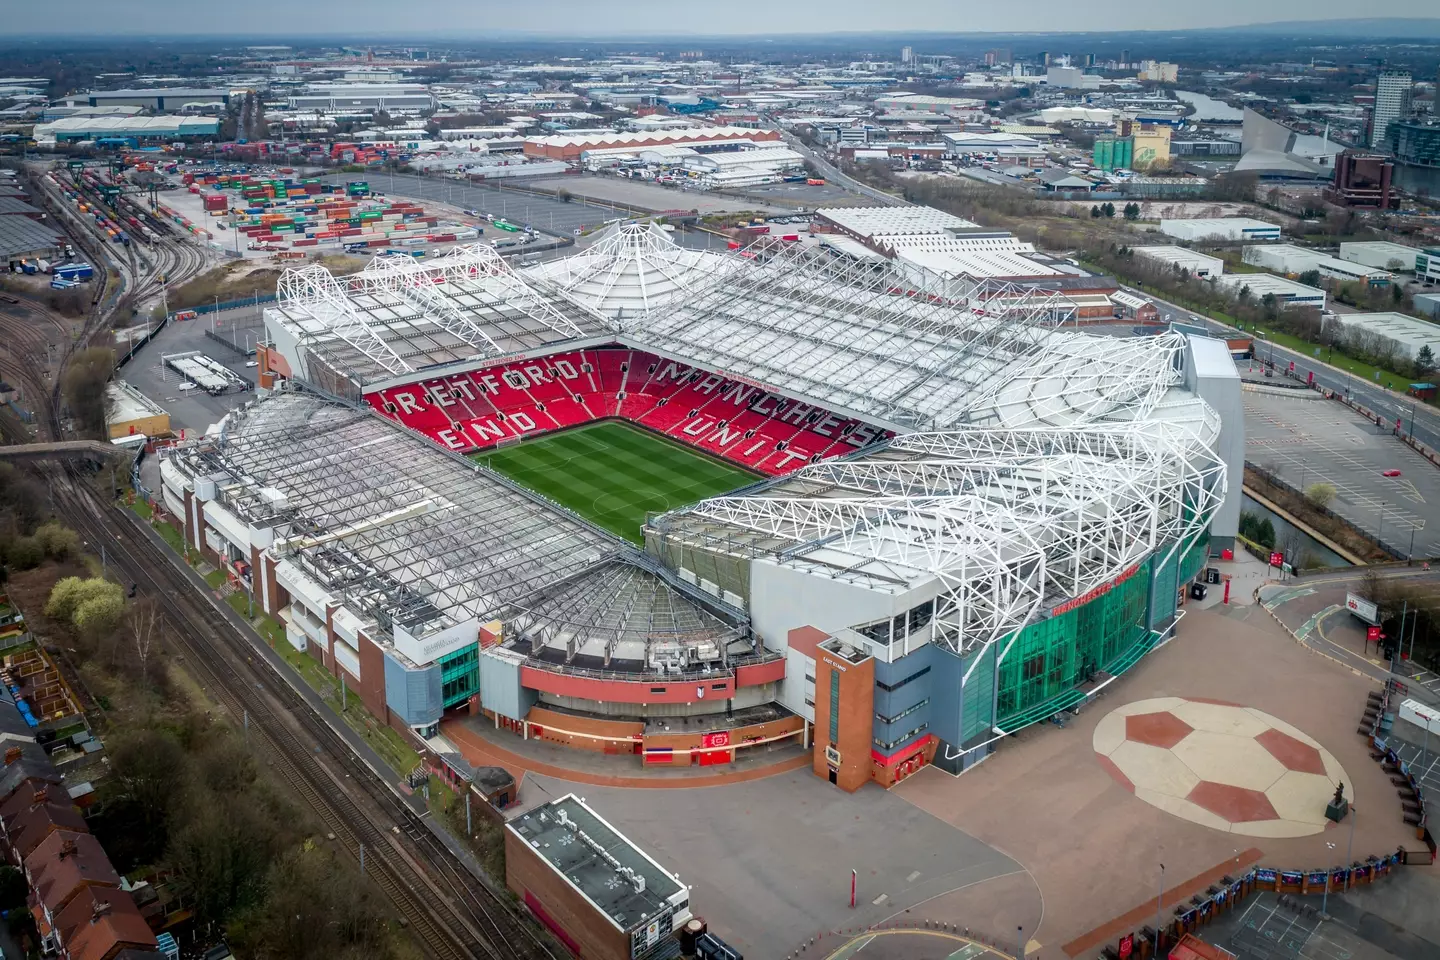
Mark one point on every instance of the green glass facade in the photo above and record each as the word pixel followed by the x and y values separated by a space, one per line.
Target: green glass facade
pixel 459 675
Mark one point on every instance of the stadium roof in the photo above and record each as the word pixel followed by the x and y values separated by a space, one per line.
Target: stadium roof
pixel 399 315
pixel 629 270
pixel 405 534
pixel 884 341
pixel 1008 521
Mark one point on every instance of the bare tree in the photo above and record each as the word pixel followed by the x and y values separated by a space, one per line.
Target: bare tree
pixel 144 631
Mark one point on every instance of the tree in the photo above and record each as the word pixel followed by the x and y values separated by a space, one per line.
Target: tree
pixel 24 553
pixel 315 908
pixel 1424 362
pixel 1095 212
pixel 59 542
pixel 1132 211
pixel 84 388
pixel 69 595
pixel 1108 209
pixel 1311 278
pixel 1265 533
pixel 101 615
pixel 1320 493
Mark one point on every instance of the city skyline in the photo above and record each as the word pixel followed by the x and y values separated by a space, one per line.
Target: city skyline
pixel 576 19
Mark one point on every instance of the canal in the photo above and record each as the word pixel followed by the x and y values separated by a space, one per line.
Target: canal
pixel 1313 553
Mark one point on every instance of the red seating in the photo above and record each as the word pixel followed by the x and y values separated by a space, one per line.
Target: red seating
pixel 729 418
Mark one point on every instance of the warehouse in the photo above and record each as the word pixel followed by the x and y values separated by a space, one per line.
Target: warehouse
pixel 1220 228
pixel 1382 255
pixel 1288 258
pixel 743 168
pixel 160 99
pixel 570 146
pixel 21 237
pixel 1287 292
pixel 981 255
pixel 599 893
pixel 1183 258
pixel 406 98
pixel 870 224
pixel 138 129
pixel 1408 333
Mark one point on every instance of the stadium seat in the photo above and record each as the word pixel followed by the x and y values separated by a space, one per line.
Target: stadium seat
pixel 738 421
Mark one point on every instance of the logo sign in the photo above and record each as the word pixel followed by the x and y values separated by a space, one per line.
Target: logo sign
pixel 718 739
pixel 1373 634
pixel 832 755
pixel 1127 946
pixel 1276 558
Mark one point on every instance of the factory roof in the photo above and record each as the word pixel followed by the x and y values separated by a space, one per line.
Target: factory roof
pixel 1262 283
pixel 610 871
pixel 21 235
pixel 650 136
pixel 73 127
pixel 14 205
pixel 123 403
pixel 157 92
pixel 873 221
pixel 1411 332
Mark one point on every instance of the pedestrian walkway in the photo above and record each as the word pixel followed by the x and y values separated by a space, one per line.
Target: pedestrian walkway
pixel 581 766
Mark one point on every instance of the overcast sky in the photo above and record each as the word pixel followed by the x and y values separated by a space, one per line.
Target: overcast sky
pixel 581 18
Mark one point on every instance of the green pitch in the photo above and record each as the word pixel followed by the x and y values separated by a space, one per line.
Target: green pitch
pixel 614 474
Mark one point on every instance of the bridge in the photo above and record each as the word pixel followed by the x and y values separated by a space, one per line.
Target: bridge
pixel 64 450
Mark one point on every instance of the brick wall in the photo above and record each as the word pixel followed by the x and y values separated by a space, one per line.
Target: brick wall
pixel 551 724
pixel 855 685
pixel 526 872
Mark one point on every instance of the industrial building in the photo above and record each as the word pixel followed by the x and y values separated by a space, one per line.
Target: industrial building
pixel 1290 259
pixel 570 146
pixel 1183 258
pixel 1427 265
pixel 363 98
pixel 159 99
pixel 966 571
pixel 1222 229
pixel 980 254
pixel 591 886
pixel 871 225
pixel 1381 255
pixel 129 413
pixel 138 129
pixel 1286 292
pixel 742 168
pixel 21 237
pixel 1408 333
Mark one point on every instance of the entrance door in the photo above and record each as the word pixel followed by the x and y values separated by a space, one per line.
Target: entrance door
pixel 833 773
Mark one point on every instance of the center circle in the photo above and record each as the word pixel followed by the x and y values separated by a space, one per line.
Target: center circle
pixel 1221 765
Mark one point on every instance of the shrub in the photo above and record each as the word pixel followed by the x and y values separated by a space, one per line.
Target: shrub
pixel 1320 494
pixel 72 595
pixel 25 553
pixel 59 542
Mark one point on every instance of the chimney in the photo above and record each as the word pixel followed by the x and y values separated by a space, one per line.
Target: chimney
pixel 102 910
pixel 67 848
pixel 41 795
pixel 12 755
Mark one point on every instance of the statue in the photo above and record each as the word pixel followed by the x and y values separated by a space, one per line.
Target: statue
pixel 1338 807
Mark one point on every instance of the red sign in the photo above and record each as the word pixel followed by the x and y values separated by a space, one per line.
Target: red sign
pixel 1099 591
pixel 718 739
pixel 1276 558
pixel 1373 634
pixel 1127 946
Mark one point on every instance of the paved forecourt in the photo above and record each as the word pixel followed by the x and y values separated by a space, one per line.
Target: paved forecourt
pixel 1307 440
pixel 614 474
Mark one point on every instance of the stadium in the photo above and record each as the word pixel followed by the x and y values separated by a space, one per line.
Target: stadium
pixel 676 503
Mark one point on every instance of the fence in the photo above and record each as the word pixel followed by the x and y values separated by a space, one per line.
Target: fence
pixel 214 307
pixel 1284 484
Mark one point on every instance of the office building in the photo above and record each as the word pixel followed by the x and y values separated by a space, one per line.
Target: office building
pixel 1416 147
pixel 1392 103
pixel 1363 180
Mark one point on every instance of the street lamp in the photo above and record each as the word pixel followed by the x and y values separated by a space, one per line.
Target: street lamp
pixel 1159 908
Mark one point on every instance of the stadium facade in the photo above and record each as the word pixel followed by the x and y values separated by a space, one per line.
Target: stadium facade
pixel 967 514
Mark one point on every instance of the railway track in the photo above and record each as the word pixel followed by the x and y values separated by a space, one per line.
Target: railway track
pixel 455 915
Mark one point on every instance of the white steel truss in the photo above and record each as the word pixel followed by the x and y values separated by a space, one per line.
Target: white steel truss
pixel 1001 519
pixel 316 294
pixel 632 268
pixel 855 334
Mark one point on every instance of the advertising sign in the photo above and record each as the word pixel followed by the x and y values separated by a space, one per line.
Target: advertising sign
pixel 1362 608
pixel 1127 946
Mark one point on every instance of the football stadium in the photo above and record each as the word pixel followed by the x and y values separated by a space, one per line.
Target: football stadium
pixel 768 495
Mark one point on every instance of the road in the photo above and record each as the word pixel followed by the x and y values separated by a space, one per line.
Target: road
pixel 1313 610
pixel 1389 405
pixel 832 172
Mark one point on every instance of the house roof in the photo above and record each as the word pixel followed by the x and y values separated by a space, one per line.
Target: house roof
pixel 64 864
pixel 21 800
pixel 27 770
pixel 31 827
pixel 98 920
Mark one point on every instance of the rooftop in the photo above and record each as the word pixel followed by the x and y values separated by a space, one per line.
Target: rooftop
pixel 616 876
pixel 871 221
pixel 124 403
